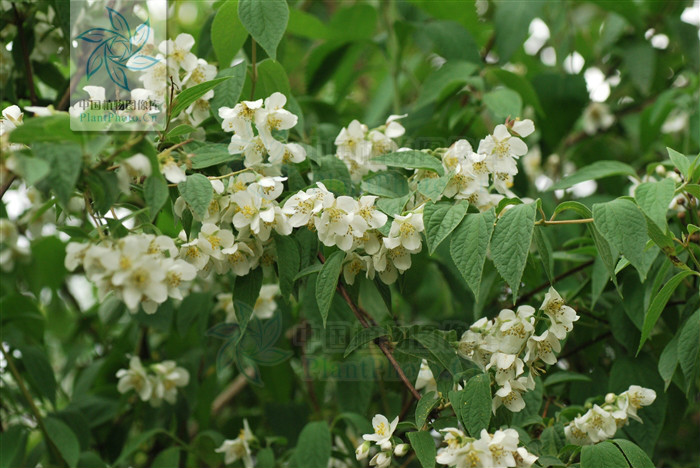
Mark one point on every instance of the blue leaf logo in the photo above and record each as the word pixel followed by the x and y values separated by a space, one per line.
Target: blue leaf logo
pixel 118 49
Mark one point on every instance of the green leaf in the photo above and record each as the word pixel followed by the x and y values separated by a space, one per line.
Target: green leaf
pixel 689 348
pixel 440 349
pixel 288 261
pixel 433 187
pixel 668 361
pixel 447 78
pixel 266 21
pixel 564 376
pixel 521 85
pixel 363 337
pixel 504 103
pixel 13 441
pixel 167 458
pixel 424 406
pixel 194 305
pixel 623 225
pixel 64 439
pixel 228 92
pixel 469 244
pixel 597 170
pixel 544 248
pixel 31 169
pixel 440 220
pixel 411 160
pixel 46 129
pixel 392 206
pixel 65 162
pixel 212 154
pixel 305 24
pixel 327 282
pixel 603 455
pixel 155 193
pixel 190 95
pixel 314 445
pixel 476 404
pixel 424 445
pixel 197 192
pixel 227 33
pixel 681 161
pixel 653 198
pixel 658 304
pixel 634 455
pixel 39 370
pixel 272 77
pixel 511 243
pixel 386 184
pixel 451 40
pixel 512 21
pixel 640 60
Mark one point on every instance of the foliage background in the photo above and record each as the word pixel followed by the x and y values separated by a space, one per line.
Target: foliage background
pixel 364 60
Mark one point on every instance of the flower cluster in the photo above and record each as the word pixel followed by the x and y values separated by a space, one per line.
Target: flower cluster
pixel 141 269
pixel 602 422
pixel 157 383
pixel 382 438
pixel 497 450
pixel 498 345
pixel 240 447
pixel 357 145
pixel 267 116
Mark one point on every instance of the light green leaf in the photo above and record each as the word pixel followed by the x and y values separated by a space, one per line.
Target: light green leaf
pixel 623 225
pixel 597 170
pixel 314 445
pixel 544 248
pixel 476 404
pixel 447 78
pixel 227 33
pixel 31 169
pixel 440 220
pixel 658 304
pixel 469 244
pixel 327 282
pixel 424 445
pixel 511 243
pixel 634 455
pixel 305 24
pixel 603 455
pixel 228 92
pixel 679 160
pixel 288 261
pixel 392 206
pixel 212 154
pixel 182 129
pixel 424 406
pixel 520 84
pixel 386 184
pixel 65 162
pixel 503 103
pixel 266 21
pixel 433 187
pixel 64 439
pixel 272 77
pixel 190 95
pixel 363 337
pixel 155 193
pixel 654 198
pixel 411 160
pixel 197 192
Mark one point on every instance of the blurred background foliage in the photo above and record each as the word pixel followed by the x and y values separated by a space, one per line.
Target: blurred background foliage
pixel 457 68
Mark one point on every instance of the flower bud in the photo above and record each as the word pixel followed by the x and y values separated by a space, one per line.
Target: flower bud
pixel 609 398
pixel 660 170
pixel 362 451
pixel 387 445
pixel 401 450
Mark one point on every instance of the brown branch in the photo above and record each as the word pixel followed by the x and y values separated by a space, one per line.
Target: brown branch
pixel 381 342
pixel 545 285
pixel 231 391
pixel 586 345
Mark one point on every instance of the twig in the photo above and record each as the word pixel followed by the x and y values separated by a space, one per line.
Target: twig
pixel 543 222
pixel 231 391
pixel 586 345
pixel 6 185
pixel 544 286
pixel 380 342
pixel 19 22
pixel 32 405
pixel 488 47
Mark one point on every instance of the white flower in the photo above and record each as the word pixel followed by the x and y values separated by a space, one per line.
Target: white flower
pixel 598 424
pixel 287 153
pixel 11 118
pixel 508 367
pixel 502 144
pixel 240 258
pixel 523 458
pixel 523 128
pixel 425 378
pixel 362 450
pixel 167 378
pixel 239 448
pixel 144 279
pixel 596 117
pixel 543 347
pixel 192 253
pixel 135 378
pixel 512 330
pixel 334 226
pixel 132 168
pixel 273 117
pixel 405 231
pixel 352 144
pixel 354 264
pixel 250 206
pixel 253 149
pixel 368 217
pixel 213 240
pixel 576 435
pixel 501 446
pixel 239 118
pixel 201 73
pixel 383 430
pixel 265 304
pixel 401 449
pixel 157 78
pixel 562 316
pixel 301 206
pixel 178 273
pixel 178 51
pixel 171 170
pixel 381 459
pixel 510 396
pixel 637 397
pixel 456 154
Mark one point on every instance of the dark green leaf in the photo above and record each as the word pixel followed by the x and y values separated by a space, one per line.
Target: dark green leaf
pixel 327 281
pixel 440 220
pixel 266 21
pixel 424 445
pixel 197 192
pixel 424 406
pixel 227 34
pixel 411 160
pixel 511 243
pixel 190 95
pixel 314 445
pixel 363 337
pixel 597 170
pixel 469 244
